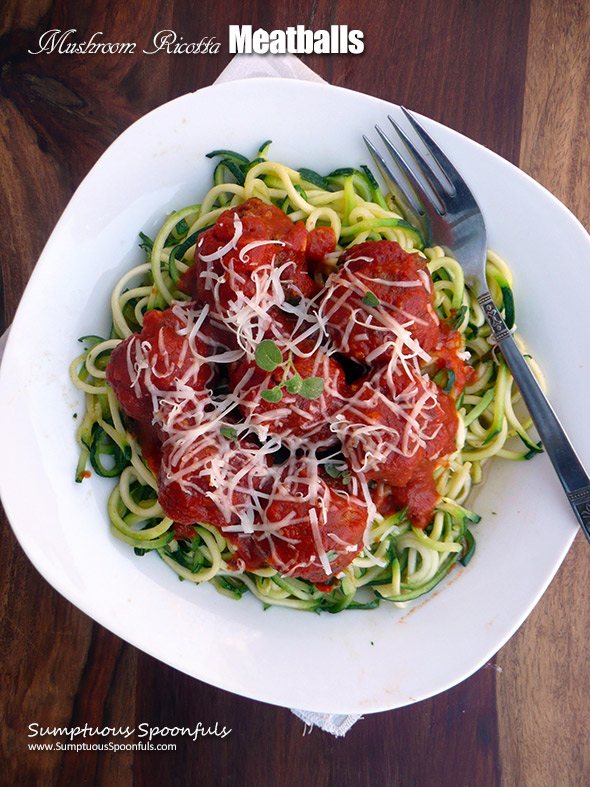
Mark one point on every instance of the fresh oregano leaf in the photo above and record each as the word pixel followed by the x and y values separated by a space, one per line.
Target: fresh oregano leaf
pixel 338 470
pixel 272 394
pixel 333 470
pixel 371 299
pixel 312 387
pixel 293 384
pixel 230 433
pixel 268 356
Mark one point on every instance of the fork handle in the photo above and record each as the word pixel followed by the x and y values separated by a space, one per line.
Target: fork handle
pixel 568 467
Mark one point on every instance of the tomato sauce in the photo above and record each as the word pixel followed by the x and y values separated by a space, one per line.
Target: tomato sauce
pixel 419 495
pixel 447 356
pixel 341 531
pixel 371 411
pixel 378 273
pixel 321 242
pixel 392 425
pixel 294 417
pixel 153 361
pixel 254 221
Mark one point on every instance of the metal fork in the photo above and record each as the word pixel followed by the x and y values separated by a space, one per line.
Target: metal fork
pixel 447 214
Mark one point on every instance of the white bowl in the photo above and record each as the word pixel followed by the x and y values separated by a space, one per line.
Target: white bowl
pixel 354 662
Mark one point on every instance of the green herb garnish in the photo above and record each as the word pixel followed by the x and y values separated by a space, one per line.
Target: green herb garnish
pixel 269 358
pixel 230 433
pixel 371 299
pixel 267 355
pixel 338 470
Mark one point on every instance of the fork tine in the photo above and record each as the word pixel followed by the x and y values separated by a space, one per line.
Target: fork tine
pixel 406 201
pixel 452 175
pixel 424 197
pixel 435 183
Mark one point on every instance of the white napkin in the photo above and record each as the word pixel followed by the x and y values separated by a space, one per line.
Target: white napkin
pixel 248 66
pixel 329 722
pixel 288 66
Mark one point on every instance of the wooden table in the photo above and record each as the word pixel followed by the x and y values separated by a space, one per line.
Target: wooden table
pixel 513 75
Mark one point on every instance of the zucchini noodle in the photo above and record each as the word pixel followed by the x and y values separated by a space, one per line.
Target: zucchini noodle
pixel 399 562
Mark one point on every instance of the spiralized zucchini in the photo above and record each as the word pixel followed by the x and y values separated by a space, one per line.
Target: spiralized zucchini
pixel 401 562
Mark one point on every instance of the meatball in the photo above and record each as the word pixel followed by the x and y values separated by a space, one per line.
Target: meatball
pixel 234 259
pixel 314 528
pixel 293 419
pixel 394 420
pixel 211 479
pixel 162 360
pixel 380 303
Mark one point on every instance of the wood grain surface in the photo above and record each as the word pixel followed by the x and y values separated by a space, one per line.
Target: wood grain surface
pixel 513 75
